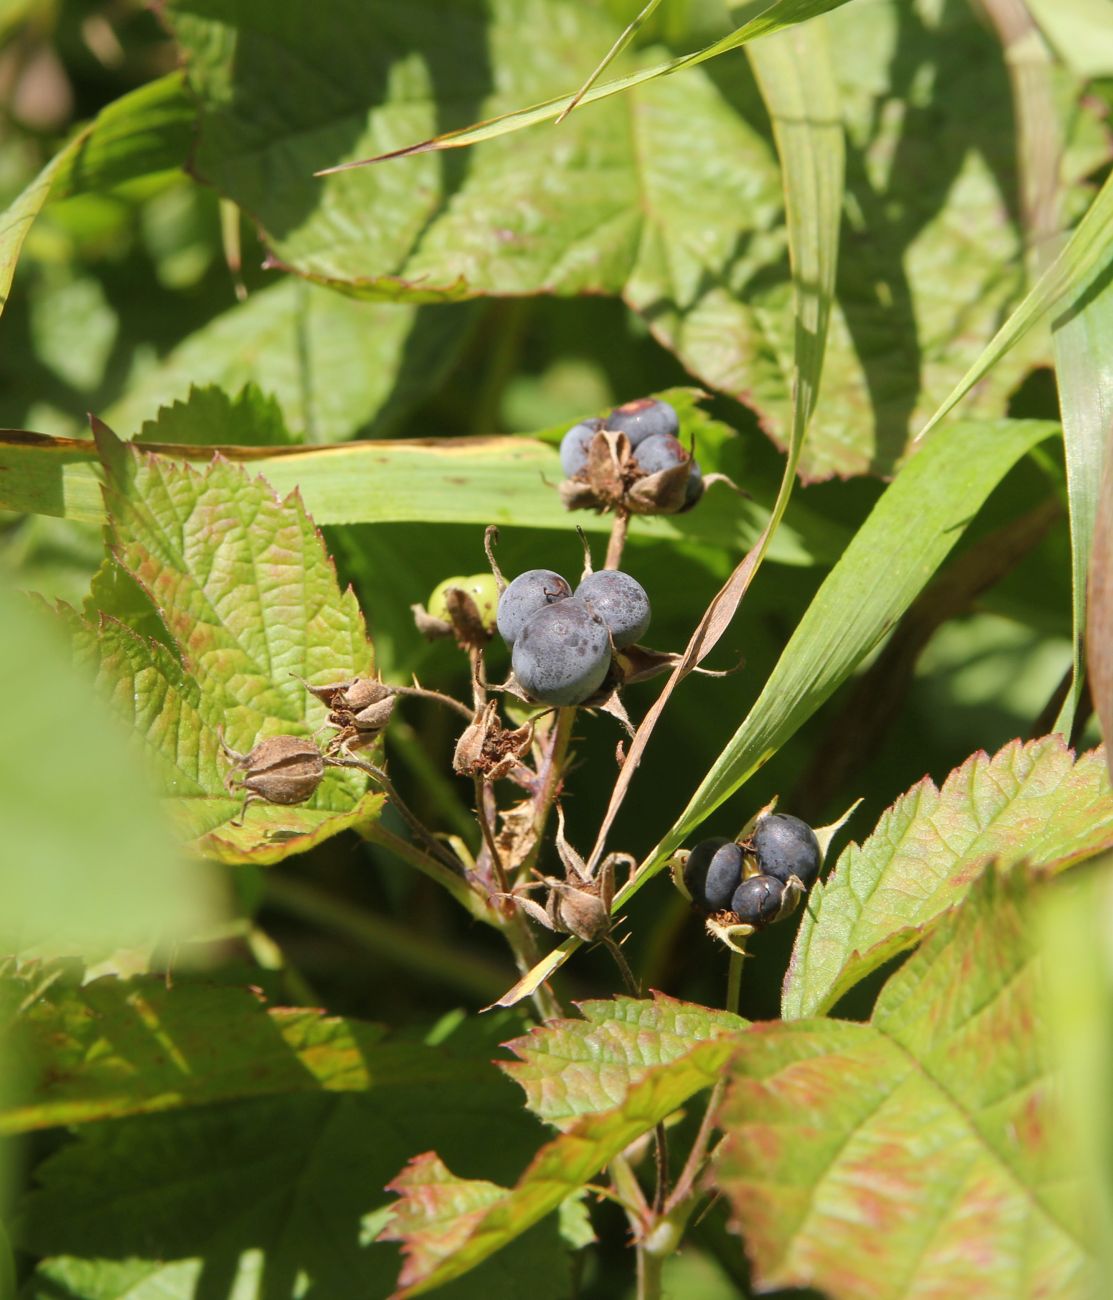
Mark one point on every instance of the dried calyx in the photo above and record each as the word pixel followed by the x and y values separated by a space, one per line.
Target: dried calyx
pixel 281 769
pixel 359 707
pixel 491 751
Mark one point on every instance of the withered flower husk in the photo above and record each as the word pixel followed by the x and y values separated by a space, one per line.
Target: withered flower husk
pixel 359 707
pixel 613 480
pixel 488 749
pixel 281 769
pixel 464 621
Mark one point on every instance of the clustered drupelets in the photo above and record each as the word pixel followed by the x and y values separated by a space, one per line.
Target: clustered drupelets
pixel 759 880
pixel 562 641
pixel 651 427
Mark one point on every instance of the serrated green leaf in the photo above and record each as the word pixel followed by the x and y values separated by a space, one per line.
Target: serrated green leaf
pixel 670 197
pixel 336 367
pixel 283 1192
pixel 212 417
pixel 449 1224
pixel 923 1145
pixel 147 131
pixel 1028 803
pixel 507 480
pixel 86 864
pixel 130 1047
pixel 572 1068
pixel 249 599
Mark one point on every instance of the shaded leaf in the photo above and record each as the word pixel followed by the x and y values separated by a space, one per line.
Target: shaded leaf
pixel 1029 803
pixel 335 367
pixel 283 1191
pixel 923 1145
pixel 448 1224
pixel 146 131
pixel 86 863
pixel 571 1068
pixel 211 417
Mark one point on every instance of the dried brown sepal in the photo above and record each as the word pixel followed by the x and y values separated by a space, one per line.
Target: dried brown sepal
pixel 489 750
pixel 467 623
pixel 432 629
pixel 359 708
pixel 580 904
pixel 282 769
pixel 518 834
pixel 613 480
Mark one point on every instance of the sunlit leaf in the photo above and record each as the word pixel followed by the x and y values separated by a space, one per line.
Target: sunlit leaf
pixel 571 1068
pixel 505 480
pixel 923 1145
pixel 249 598
pixel 127 1047
pixel 336 367
pixel 1028 803
pixel 448 1224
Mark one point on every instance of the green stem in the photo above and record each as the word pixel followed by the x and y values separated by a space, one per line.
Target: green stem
pixel 441 793
pixel 734 982
pixel 422 957
pixel 374 832
pixel 650 1265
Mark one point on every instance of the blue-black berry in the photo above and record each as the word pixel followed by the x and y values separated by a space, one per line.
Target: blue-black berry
pixel 575 444
pixel 761 900
pixel 643 418
pixel 528 593
pixel 620 601
pixel 562 653
pixel 712 873
pixel 785 846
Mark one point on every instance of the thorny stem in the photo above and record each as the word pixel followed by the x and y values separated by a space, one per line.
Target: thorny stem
pixel 617 540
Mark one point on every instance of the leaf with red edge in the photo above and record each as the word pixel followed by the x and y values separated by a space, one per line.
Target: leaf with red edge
pixel 1030 802
pixel 918 1152
pixel 250 603
pixel 439 1247
pixel 571 1068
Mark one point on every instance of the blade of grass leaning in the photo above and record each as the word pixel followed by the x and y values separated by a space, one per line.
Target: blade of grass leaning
pixel 616 49
pixel 1082 339
pixel 798 84
pixel 1083 344
pixel 909 533
pixel 140 134
pixel 1083 262
pixel 782 14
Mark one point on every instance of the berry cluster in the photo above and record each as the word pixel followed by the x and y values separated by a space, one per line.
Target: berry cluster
pixel 756 881
pixel 561 641
pixel 652 473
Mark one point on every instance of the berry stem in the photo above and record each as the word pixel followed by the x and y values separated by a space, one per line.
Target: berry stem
pixel 617 540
